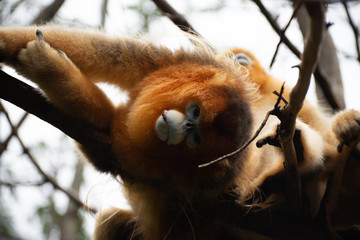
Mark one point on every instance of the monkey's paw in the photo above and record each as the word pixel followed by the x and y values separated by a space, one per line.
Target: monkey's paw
pixel 309 145
pixel 39 60
pixel 346 126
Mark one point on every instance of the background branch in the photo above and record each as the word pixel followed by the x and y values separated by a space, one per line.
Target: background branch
pixel 328 68
pixel 299 4
pixel 33 102
pixel 49 12
pixel 14 128
pixel 104 12
pixel 354 28
pixel 178 19
pixel 319 78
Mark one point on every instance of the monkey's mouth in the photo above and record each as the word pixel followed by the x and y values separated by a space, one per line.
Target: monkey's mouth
pixel 169 127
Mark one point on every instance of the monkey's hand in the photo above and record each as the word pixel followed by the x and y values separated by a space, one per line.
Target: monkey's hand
pixel 307 141
pixel 40 62
pixel 63 82
pixel 346 126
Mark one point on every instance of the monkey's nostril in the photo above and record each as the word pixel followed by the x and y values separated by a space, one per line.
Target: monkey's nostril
pixel 189 124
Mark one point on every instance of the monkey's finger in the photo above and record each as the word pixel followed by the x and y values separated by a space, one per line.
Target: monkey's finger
pixel 39 35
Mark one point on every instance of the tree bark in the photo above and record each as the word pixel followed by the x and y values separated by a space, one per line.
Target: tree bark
pixel 70 222
pixel 49 12
pixel 328 65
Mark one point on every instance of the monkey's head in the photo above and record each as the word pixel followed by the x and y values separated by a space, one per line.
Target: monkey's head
pixel 255 70
pixel 186 115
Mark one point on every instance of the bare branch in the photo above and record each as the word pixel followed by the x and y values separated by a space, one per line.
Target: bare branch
pixel 277 29
pixel 34 102
pixel 354 28
pixel 283 32
pixel 104 12
pixel 14 129
pixel 48 178
pixel 297 96
pixel 49 12
pixel 329 95
pixel 327 70
pixel 26 184
pixel 178 19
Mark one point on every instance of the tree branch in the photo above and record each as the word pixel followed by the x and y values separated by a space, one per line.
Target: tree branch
pixel 33 102
pixel 14 129
pixel 277 29
pixel 297 96
pixel 354 28
pixel 49 12
pixel 26 184
pixel 299 4
pixel 178 19
pixel 328 66
pixel 46 177
pixel 320 79
pixel 103 12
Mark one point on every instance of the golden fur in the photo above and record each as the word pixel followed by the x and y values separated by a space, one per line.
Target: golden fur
pixel 171 197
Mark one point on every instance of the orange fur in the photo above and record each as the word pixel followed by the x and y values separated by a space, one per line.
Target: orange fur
pixel 171 197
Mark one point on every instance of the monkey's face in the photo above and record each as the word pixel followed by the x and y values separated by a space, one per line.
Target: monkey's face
pixel 181 117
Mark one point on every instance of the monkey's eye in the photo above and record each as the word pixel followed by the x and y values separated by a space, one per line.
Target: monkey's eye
pixel 192 111
pixel 243 59
pixel 196 112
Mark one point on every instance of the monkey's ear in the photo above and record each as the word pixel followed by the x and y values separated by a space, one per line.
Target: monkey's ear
pixel 244 59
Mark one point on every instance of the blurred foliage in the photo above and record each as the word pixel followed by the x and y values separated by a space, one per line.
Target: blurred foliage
pixel 8 8
pixel 147 12
pixel 51 219
pixel 6 223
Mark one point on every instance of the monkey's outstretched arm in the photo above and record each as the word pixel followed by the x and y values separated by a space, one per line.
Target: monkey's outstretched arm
pixel 120 61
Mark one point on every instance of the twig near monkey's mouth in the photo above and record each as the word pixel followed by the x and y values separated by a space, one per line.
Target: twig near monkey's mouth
pixel 276 111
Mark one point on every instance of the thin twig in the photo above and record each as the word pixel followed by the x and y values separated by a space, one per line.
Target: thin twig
pixel 276 28
pixel 14 129
pixel 275 111
pixel 25 184
pixel 283 33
